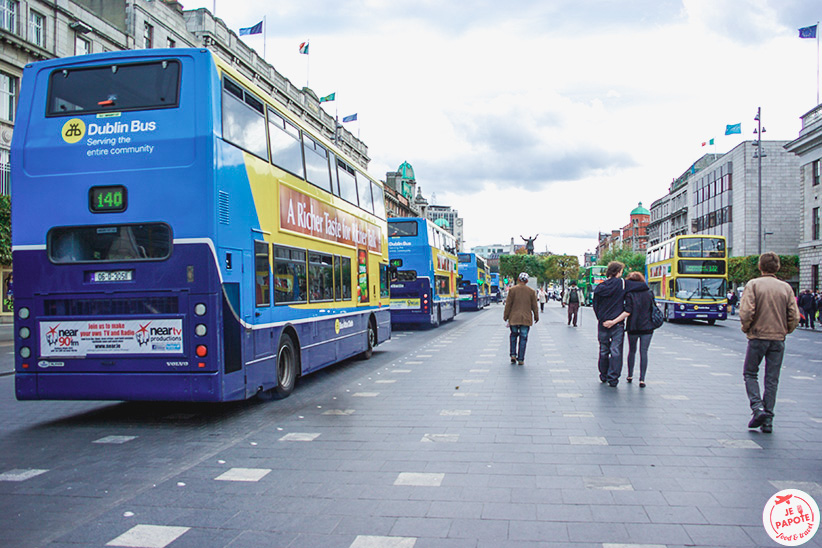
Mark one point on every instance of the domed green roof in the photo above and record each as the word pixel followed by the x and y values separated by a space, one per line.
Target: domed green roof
pixel 442 223
pixel 639 210
pixel 406 171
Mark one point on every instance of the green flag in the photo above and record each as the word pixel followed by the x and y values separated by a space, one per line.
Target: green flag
pixel 327 98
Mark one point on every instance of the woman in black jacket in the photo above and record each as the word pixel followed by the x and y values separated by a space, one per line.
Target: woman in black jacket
pixel 639 327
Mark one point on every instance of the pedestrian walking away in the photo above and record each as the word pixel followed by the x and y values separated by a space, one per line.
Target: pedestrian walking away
pixel 639 326
pixel 521 312
pixel 733 300
pixel 609 303
pixel 807 304
pixel 572 298
pixel 767 313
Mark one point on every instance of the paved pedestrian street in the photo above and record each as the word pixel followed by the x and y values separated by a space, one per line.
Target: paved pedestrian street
pixel 437 441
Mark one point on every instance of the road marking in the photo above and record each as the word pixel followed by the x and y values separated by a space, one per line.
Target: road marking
pixel 400 370
pixel 243 474
pixel 300 436
pixel 371 541
pixel 678 397
pixel 569 395
pixel 802 378
pixel 721 374
pixel 579 415
pixel 473 381
pixel 740 444
pixel 419 479
pixel 455 412
pixel 385 382
pixel 559 370
pixel 339 412
pixel 608 484
pixel 115 439
pixel 21 474
pixel 479 370
pixel 365 394
pixel 447 438
pixel 587 440
pixel 149 536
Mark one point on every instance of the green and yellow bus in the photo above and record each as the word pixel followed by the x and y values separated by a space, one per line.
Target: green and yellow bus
pixel 689 277
pixel 591 277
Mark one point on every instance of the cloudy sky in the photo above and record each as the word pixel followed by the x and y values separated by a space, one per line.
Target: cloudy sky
pixel 549 117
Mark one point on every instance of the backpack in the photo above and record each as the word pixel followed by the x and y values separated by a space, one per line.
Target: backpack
pixel 573 297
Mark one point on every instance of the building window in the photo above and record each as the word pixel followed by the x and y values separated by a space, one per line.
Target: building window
pixel 815 224
pixel 5 172
pixel 8 92
pixel 148 36
pixel 8 15
pixel 171 43
pixel 37 28
pixel 81 46
pixel 816 168
pixel 815 277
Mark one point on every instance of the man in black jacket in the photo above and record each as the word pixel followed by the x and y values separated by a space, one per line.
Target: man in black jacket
pixel 609 302
pixel 807 303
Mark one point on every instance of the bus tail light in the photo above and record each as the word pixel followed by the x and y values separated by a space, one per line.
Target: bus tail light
pixel 201 365
pixel 201 351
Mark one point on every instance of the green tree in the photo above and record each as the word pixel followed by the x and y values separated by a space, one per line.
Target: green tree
pixel 632 261
pixel 511 265
pixel 5 230
pixel 559 268
pixel 743 269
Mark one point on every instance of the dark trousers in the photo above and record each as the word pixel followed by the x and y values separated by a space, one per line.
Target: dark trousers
pixel 809 313
pixel 643 342
pixel 772 351
pixel 610 352
pixel 573 310
pixel 519 333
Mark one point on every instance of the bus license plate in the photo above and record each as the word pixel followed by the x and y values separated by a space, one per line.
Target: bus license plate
pixel 112 276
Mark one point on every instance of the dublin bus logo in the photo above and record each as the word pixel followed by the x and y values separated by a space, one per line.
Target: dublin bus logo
pixel 73 130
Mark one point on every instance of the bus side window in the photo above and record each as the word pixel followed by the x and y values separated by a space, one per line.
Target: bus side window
pixel 670 288
pixel 346 278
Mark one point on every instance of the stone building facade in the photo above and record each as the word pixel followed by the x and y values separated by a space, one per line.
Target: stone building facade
pixel 635 233
pixel 724 199
pixel 808 148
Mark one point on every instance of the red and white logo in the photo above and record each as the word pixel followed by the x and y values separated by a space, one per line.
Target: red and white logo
pixel 791 517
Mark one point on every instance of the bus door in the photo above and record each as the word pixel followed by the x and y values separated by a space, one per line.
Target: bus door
pixel 234 335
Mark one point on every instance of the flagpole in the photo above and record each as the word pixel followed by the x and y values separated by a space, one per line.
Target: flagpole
pixel 817 62
pixel 264 29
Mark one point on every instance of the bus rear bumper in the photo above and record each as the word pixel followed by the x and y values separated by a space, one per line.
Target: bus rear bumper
pixel 200 387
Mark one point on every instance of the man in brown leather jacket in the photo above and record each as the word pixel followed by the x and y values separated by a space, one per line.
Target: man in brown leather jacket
pixel 520 305
pixel 768 312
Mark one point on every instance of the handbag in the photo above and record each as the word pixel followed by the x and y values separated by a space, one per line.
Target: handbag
pixel 657 319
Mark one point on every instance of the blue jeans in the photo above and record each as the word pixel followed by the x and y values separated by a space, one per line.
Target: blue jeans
pixel 610 352
pixel 519 332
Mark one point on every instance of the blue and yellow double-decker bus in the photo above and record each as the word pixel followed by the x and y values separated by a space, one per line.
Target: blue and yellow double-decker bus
pixel 180 235
pixel 423 272
pixel 689 277
pixel 474 292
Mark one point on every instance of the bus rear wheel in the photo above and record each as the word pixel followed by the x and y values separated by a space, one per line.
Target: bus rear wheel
pixel 437 318
pixel 371 337
pixel 712 321
pixel 287 366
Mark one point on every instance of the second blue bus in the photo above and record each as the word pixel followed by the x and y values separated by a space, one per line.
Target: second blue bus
pixel 473 282
pixel 423 270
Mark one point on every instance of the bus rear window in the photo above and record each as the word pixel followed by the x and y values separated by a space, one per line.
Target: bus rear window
pixel 114 88
pixel 115 243
pixel 399 229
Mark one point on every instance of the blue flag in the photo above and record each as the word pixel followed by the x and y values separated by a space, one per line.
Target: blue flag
pixel 351 118
pixel 256 29
pixel 730 129
pixel 808 32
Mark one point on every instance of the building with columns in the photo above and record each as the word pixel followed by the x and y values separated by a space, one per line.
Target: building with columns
pixel 808 148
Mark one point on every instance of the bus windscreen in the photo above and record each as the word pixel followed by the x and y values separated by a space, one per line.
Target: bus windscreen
pixel 114 88
pixel 398 229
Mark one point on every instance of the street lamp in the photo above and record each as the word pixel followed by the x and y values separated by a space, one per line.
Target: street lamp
pixel 759 154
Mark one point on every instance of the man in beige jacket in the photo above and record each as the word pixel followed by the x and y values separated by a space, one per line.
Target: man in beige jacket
pixel 768 312
pixel 520 305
